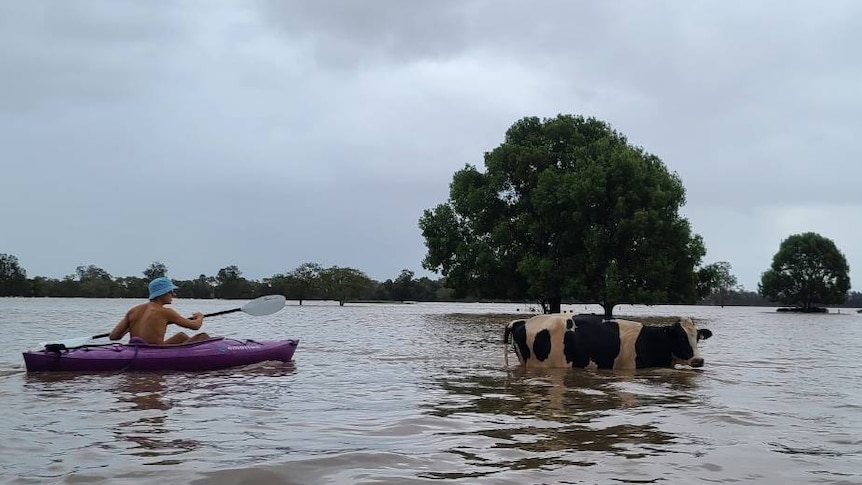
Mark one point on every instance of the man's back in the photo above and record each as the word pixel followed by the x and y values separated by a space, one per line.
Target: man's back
pixel 149 321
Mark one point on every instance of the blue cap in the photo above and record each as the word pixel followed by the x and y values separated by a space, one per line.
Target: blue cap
pixel 160 286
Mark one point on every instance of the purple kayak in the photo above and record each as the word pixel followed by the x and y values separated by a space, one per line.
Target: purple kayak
pixel 211 354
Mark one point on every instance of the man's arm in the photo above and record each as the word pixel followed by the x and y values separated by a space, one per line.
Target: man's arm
pixel 193 323
pixel 121 328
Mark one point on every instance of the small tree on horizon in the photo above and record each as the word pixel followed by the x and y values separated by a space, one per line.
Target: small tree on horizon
pixel 230 283
pixel 715 281
pixel 155 270
pixel 807 270
pixel 13 278
pixel 342 284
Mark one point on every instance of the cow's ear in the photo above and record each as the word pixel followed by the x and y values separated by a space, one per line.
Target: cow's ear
pixel 703 333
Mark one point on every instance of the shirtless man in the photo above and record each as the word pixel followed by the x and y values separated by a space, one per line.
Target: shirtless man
pixel 149 321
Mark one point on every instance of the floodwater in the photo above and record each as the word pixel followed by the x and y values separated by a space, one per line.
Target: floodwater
pixel 422 394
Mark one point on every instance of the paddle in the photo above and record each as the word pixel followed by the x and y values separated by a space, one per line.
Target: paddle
pixel 258 307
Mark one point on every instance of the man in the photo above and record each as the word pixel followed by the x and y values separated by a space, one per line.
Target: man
pixel 149 321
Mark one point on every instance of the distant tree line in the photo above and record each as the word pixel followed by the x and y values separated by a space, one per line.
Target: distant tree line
pixel 741 297
pixel 309 281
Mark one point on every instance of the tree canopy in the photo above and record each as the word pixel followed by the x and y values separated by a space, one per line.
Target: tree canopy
pixel 13 278
pixel 343 284
pixel 302 282
pixel 231 284
pixel 155 270
pixel 807 270
pixel 566 207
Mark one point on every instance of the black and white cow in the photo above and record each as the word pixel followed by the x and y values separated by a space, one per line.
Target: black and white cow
pixel 561 340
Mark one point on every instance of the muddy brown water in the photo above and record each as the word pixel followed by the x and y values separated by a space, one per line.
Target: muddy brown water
pixel 422 393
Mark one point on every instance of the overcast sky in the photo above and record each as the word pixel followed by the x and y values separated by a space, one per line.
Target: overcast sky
pixel 267 134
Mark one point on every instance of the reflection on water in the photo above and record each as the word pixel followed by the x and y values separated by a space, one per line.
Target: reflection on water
pixel 584 393
pixel 147 428
pixel 557 416
pixel 144 391
pixel 149 411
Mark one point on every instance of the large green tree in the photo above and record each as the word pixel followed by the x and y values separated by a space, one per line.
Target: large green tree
pixel 566 207
pixel 807 270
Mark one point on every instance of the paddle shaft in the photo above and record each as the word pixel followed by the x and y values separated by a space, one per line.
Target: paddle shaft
pixel 103 335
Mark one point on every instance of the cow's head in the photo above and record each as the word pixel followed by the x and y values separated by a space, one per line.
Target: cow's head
pixel 684 338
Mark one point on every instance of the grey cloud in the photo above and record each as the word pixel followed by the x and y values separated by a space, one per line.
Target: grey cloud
pixel 90 52
pixel 353 34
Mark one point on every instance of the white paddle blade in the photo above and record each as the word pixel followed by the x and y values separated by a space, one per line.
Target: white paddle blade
pixel 69 343
pixel 265 305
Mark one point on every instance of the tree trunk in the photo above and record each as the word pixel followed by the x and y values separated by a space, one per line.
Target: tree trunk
pixel 609 310
pixel 554 304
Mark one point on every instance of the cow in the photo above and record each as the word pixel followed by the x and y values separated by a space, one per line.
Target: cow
pixel 560 340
